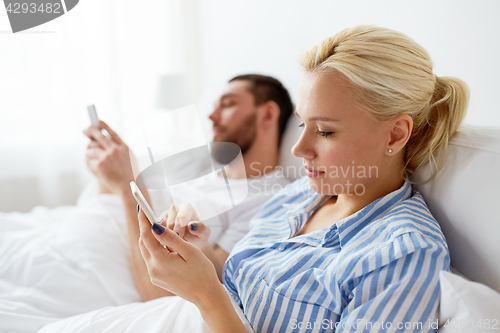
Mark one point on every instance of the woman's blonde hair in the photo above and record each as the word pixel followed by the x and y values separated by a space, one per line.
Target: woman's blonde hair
pixel 392 75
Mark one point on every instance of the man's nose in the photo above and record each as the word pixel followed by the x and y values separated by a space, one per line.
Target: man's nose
pixel 215 115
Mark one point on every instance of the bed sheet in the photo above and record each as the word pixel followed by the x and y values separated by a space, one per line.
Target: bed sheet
pixel 56 263
pixel 39 216
pixel 164 315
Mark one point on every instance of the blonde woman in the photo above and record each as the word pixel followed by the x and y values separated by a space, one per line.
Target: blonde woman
pixel 346 250
pixel 350 247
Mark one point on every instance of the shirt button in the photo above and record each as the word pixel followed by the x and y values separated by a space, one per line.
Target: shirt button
pixel 240 270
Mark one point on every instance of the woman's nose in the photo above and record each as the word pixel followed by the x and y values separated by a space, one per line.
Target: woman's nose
pixel 303 148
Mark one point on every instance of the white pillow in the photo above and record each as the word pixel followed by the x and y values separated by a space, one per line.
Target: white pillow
pixel 464 200
pixel 467 306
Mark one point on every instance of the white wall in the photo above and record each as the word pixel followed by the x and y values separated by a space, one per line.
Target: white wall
pixel 462 37
pixel 104 52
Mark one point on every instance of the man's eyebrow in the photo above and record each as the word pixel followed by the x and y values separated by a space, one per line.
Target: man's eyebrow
pixel 228 95
pixel 318 118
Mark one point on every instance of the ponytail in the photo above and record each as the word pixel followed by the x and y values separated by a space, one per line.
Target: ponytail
pixel 429 140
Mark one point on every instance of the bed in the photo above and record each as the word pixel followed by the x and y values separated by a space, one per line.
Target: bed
pixel 463 198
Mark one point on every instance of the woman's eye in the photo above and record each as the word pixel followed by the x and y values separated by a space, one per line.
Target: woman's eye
pixel 301 125
pixel 227 105
pixel 324 134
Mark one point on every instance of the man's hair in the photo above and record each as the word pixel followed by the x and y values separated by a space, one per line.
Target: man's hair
pixel 266 88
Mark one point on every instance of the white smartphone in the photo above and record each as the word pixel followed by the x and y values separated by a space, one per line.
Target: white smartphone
pixel 93 115
pixel 142 202
pixel 95 120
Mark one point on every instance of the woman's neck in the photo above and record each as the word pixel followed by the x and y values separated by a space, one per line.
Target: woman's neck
pixel 351 203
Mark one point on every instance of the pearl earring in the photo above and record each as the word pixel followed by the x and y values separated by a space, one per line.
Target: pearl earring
pixel 390 151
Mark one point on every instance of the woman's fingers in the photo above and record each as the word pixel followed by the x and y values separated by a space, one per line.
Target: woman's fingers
pixel 171 215
pixel 179 270
pixel 179 218
pixel 156 243
pixel 172 221
pixel 199 229
pixel 149 241
pixel 197 234
pixel 185 214
pixel 145 231
pixel 163 218
pixel 144 252
pixel 171 240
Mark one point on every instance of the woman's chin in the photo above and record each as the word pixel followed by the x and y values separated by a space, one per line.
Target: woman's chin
pixel 320 185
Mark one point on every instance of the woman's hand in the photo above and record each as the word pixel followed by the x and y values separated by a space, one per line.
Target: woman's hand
pixel 184 220
pixel 108 158
pixel 178 266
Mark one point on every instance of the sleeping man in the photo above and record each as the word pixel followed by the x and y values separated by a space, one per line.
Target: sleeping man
pixel 69 260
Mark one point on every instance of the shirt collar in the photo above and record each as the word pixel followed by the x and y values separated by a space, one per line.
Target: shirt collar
pixel 350 226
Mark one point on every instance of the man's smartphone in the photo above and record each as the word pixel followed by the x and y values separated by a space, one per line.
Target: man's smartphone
pixel 142 202
pixel 95 120
pixel 93 115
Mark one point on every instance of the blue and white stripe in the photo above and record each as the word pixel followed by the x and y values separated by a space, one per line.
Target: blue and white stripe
pixel 380 265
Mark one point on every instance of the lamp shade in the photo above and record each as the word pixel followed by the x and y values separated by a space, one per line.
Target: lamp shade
pixel 173 92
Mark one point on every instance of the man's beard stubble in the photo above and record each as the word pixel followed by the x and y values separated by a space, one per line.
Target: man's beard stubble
pixel 244 135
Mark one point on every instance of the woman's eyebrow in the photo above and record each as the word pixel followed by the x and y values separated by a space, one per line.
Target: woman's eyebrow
pixel 319 118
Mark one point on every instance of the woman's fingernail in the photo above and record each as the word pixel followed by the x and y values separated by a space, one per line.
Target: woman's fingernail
pixel 138 207
pixel 194 226
pixel 158 228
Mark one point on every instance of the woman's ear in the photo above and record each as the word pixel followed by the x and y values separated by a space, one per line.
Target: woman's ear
pixel 269 114
pixel 401 128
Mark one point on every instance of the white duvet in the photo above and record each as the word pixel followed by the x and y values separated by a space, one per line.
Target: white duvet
pixel 66 270
pixel 56 263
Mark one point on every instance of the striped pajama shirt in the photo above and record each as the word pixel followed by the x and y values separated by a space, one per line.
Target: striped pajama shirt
pixel 376 270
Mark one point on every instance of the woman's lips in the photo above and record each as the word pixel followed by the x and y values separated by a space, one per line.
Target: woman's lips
pixel 311 173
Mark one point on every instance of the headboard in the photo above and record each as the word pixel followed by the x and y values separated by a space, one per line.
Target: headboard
pixel 465 199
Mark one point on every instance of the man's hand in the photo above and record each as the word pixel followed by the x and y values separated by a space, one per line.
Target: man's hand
pixel 184 220
pixel 108 158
